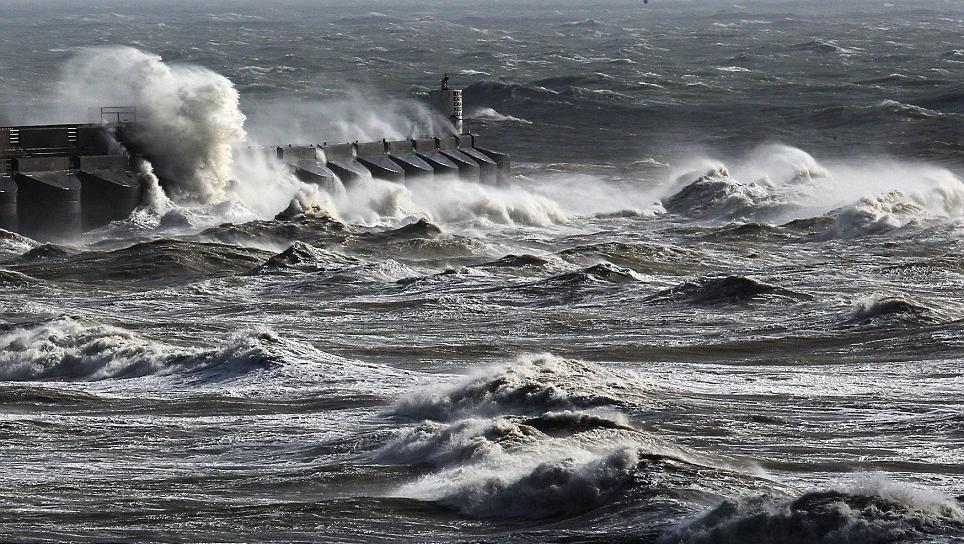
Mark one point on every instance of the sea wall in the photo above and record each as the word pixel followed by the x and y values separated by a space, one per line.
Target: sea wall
pixel 57 181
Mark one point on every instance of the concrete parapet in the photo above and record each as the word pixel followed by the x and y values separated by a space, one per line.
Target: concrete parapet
pixel 425 145
pixel 103 162
pixel 293 154
pixel 108 195
pixel 368 149
pixel 8 204
pixel 48 205
pixel 43 164
pixel 47 137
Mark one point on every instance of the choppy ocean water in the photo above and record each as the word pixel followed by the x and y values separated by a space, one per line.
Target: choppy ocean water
pixel 719 301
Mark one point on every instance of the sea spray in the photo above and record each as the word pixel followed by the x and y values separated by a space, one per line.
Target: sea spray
pixel 540 437
pixel 868 511
pixel 71 349
pixel 186 114
pixel 191 125
pixel 358 114
pixel 779 183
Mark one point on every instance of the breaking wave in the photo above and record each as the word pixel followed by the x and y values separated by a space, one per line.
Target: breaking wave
pixel 875 309
pixel 12 243
pixel 537 438
pixel 529 385
pixel 489 114
pixel 873 512
pixel 68 349
pixel 726 290
pixel 446 201
pixel 567 485
pixel 877 215
pixel 302 257
pixel 780 183
pixel 716 195
pixel 187 112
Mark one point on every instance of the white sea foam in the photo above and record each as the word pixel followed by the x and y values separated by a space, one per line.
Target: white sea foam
pixel 530 384
pixel 867 511
pixel 71 349
pixel 489 114
pixel 191 122
pixel 539 437
pixel 442 200
pixel 186 112
pixel 12 244
pixel 529 486
pixel 780 183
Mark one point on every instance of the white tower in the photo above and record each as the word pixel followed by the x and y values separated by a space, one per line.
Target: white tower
pixel 449 103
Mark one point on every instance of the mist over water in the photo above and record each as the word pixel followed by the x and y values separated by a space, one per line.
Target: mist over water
pixel 718 302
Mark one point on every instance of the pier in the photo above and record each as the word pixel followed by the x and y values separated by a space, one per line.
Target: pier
pixel 57 181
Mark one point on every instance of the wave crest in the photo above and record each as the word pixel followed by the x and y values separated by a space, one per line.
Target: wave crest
pixel 532 384
pixel 727 289
pixel 782 183
pixel 68 349
pixel 890 308
pixel 567 485
pixel 876 513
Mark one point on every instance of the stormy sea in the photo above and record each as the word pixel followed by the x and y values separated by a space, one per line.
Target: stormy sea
pixel 721 298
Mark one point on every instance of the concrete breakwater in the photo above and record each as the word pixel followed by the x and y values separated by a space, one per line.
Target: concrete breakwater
pixel 57 181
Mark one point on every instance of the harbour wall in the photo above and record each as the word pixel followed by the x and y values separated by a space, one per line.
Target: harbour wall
pixel 57 181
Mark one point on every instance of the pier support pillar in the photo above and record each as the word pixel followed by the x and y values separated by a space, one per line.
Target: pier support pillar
pixel 48 205
pixel 403 153
pixel 427 150
pixel 8 204
pixel 373 155
pixel 108 195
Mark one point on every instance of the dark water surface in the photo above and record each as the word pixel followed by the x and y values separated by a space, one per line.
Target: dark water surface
pixel 721 300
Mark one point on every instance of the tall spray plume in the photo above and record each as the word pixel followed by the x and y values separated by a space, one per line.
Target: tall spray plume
pixel 185 112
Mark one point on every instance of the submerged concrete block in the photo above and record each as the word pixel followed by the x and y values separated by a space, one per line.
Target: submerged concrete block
pixel 8 204
pixel 48 205
pixel 108 195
